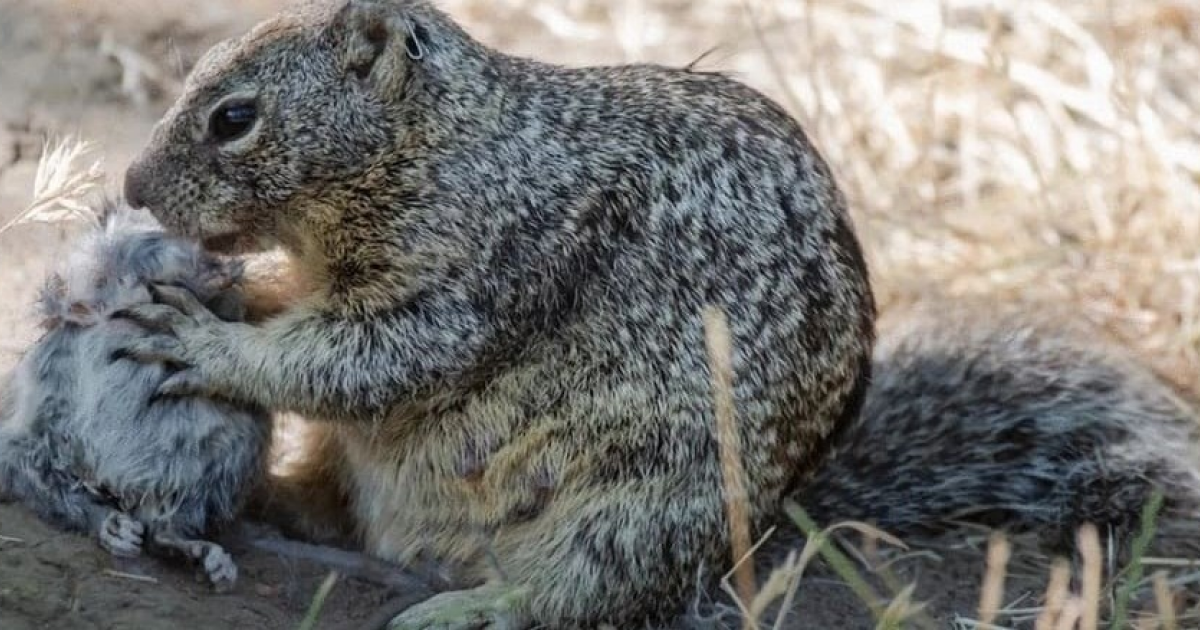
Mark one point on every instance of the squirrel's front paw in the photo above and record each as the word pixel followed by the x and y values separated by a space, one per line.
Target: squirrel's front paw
pixel 183 334
pixel 120 535
pixel 174 312
pixel 496 606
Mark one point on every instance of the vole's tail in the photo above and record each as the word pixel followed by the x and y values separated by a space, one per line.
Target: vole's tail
pixel 1012 421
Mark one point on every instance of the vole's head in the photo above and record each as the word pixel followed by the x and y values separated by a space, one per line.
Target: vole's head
pixel 112 267
pixel 270 124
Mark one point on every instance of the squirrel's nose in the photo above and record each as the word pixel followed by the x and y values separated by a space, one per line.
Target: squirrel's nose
pixel 135 185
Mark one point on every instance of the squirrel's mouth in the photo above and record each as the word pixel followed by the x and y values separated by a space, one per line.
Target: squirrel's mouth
pixel 228 243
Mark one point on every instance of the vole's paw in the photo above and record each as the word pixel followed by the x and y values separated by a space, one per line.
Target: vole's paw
pixel 495 606
pixel 218 566
pixel 216 563
pixel 121 535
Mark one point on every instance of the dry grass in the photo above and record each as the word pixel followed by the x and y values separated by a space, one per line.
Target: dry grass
pixel 1057 590
pixel 720 360
pixel 1164 601
pixel 992 595
pixel 899 612
pixel 61 186
pixel 133 577
pixel 1093 577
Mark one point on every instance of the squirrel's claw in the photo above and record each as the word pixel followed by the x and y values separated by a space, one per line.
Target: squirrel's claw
pixel 188 382
pixel 154 317
pixel 179 299
pixel 179 317
pixel 156 349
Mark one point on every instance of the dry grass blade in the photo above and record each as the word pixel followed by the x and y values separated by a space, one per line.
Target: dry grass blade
pixel 60 186
pixel 1092 583
pixel 992 593
pixel 747 607
pixel 782 583
pixel 1072 613
pixel 900 608
pixel 818 542
pixel 720 357
pixel 1183 563
pixel 135 577
pixel 1165 601
pixel 785 579
pixel 1057 591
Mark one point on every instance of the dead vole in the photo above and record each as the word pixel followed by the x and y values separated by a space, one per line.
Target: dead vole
pixel 83 440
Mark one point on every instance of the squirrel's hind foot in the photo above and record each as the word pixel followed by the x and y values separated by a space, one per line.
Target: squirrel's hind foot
pixel 493 606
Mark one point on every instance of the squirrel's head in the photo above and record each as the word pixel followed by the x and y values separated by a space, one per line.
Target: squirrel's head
pixel 269 125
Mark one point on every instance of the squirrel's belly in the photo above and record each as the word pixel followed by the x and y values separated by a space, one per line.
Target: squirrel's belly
pixel 415 506
pixel 475 487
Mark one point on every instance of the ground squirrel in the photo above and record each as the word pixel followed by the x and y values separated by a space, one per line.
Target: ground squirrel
pixel 507 265
pixel 82 441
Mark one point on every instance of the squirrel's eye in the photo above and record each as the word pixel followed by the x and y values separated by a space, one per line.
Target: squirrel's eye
pixel 232 120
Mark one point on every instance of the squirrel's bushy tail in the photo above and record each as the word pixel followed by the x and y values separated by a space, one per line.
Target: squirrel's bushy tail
pixel 1013 421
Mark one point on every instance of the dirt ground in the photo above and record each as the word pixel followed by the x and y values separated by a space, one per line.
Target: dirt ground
pixel 106 71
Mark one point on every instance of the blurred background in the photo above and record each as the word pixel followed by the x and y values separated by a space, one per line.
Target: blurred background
pixel 1043 151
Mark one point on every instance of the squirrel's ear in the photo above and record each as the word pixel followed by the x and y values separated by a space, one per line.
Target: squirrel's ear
pixel 377 40
pixel 363 31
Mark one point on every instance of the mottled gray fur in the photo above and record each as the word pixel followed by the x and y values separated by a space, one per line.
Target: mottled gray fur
pixel 508 262
pixel 1024 421
pixel 84 443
